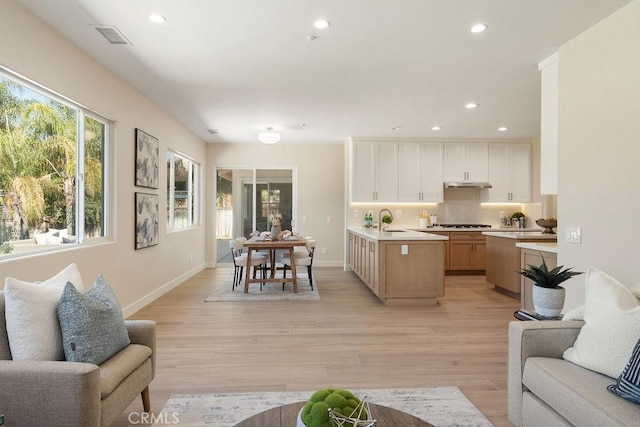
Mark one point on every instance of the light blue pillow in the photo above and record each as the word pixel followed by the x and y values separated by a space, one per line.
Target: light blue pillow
pixel 92 326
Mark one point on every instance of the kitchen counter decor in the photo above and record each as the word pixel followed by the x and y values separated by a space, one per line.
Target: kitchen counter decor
pixel 548 224
pixel 548 295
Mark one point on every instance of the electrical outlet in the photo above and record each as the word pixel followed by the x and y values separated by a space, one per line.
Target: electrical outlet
pixel 404 249
pixel 305 219
pixel 324 251
pixel 329 219
pixel 398 213
pixel 356 213
pixel 573 235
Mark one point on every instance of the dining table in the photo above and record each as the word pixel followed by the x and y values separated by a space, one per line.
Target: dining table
pixel 253 245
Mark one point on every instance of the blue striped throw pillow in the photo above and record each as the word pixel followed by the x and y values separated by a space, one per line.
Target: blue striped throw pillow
pixel 628 384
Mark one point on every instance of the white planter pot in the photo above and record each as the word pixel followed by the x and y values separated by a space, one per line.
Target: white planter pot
pixel 548 301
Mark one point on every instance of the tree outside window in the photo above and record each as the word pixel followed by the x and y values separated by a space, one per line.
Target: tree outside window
pixel 48 197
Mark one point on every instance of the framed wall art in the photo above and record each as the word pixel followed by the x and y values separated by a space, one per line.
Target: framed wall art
pixel 146 220
pixel 147 160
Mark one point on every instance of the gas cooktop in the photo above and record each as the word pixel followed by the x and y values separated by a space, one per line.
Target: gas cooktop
pixel 465 225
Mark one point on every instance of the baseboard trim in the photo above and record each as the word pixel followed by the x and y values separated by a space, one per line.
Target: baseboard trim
pixel 149 298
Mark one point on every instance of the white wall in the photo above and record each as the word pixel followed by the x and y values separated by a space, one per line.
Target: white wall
pixel 32 49
pixel 320 189
pixel 599 149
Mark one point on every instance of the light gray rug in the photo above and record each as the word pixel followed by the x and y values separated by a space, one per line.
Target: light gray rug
pixel 270 291
pixel 440 406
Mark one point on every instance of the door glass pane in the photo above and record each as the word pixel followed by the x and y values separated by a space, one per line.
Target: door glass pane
pixel 238 212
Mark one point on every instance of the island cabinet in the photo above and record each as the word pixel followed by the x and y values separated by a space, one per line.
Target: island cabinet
pixel 504 258
pixel 467 251
pixel 531 254
pixel 399 271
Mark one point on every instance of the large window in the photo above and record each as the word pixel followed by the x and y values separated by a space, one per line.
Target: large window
pixel 183 182
pixel 52 169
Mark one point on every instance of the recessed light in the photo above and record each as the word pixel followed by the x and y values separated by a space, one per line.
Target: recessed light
pixel 158 19
pixel 322 24
pixel 436 128
pixel 478 28
pixel 503 128
pixel 471 105
pixel 396 128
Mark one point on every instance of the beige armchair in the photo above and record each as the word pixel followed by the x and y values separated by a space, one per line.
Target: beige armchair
pixel 44 393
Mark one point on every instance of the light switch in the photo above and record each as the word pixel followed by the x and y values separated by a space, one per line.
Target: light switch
pixel 305 218
pixel 404 249
pixel 573 235
pixel 356 213
pixel 329 219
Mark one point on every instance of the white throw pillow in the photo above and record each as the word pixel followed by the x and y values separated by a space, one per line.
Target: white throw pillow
pixel 612 326
pixel 31 312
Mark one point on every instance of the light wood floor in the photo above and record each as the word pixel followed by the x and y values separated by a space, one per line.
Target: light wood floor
pixel 347 339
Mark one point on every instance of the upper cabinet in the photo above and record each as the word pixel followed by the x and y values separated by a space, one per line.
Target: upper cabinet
pixel 420 172
pixel 509 173
pixel 466 162
pixel 549 125
pixel 374 172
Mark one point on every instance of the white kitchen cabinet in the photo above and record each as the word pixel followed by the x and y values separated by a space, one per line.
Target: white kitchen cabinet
pixel 420 172
pixel 549 125
pixel 466 162
pixel 509 173
pixel 375 172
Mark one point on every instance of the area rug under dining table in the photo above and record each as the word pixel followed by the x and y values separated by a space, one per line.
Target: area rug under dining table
pixel 440 406
pixel 270 291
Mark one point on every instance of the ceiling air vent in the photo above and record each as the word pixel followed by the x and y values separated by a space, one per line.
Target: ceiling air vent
pixel 111 33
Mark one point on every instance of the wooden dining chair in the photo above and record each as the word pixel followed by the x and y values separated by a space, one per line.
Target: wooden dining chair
pixel 302 259
pixel 240 259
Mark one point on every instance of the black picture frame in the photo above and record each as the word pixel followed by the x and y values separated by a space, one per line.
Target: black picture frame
pixel 147 160
pixel 147 220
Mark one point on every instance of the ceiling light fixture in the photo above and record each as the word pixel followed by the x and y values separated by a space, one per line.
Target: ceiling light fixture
pixel 436 128
pixel 471 105
pixel 322 24
pixel 158 19
pixel 503 129
pixel 268 136
pixel 478 28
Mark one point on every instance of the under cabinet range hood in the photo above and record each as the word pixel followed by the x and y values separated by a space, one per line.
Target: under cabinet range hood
pixel 465 184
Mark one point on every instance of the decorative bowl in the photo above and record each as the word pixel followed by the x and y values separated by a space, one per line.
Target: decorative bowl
pixel 548 225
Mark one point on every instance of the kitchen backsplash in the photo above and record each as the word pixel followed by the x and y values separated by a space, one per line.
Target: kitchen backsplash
pixel 461 205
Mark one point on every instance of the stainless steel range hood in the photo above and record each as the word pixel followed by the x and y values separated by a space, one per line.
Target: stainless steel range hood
pixel 467 185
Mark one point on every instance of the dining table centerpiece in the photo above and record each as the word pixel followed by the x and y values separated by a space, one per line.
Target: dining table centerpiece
pixel 275 220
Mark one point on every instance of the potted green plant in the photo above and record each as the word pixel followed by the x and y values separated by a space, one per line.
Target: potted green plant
pixel 387 220
pixel 519 217
pixel 548 295
pixel 343 404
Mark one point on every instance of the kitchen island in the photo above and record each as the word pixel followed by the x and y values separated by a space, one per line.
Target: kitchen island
pixel 531 253
pixel 401 267
pixel 504 258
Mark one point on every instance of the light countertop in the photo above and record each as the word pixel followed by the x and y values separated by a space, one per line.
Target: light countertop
pixel 494 229
pixel 551 247
pixel 521 235
pixel 398 234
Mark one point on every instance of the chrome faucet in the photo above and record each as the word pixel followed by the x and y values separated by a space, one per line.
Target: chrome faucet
pixel 380 217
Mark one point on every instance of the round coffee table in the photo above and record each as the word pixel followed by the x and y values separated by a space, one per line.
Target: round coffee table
pixel 287 415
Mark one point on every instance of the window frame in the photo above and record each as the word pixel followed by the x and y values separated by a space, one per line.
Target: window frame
pixel 194 185
pixel 82 112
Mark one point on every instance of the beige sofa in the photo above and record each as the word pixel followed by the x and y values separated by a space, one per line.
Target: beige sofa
pixel 44 393
pixel 545 390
